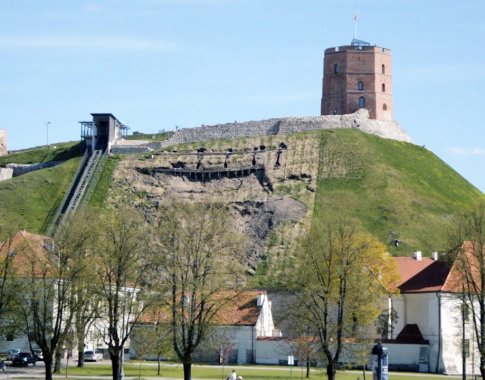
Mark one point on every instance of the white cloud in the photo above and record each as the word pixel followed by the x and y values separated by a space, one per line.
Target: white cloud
pixel 478 151
pixel 467 151
pixel 93 8
pixel 89 42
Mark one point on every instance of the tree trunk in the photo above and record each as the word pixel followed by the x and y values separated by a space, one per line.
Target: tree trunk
pixel 308 368
pixel 80 349
pixel 482 371
pixel 57 362
pixel 158 367
pixel 48 367
pixel 331 371
pixel 115 356
pixel 80 358
pixel 187 371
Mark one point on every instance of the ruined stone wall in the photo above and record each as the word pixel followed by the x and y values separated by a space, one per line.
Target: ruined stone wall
pixel 287 126
pixel 3 142
pixel 19 169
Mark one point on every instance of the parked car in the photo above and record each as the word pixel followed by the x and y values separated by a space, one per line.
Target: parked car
pixel 93 356
pixel 24 359
pixel 38 353
pixel 12 353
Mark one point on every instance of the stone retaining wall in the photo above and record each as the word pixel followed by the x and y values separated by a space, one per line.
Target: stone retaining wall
pixel 5 173
pixel 19 169
pixel 289 125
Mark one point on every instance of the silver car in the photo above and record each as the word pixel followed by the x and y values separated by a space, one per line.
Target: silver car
pixel 93 356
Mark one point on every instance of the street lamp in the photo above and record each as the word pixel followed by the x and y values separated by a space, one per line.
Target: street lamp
pixel 47 127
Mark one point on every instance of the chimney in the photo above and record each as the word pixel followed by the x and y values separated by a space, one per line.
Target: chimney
pixel 417 255
pixel 434 255
pixel 261 299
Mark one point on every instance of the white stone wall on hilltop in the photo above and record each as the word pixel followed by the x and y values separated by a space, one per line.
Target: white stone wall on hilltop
pixel 289 125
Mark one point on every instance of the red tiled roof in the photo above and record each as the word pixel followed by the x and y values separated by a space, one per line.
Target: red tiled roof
pixel 239 309
pixel 455 282
pixel 410 334
pixel 28 248
pixel 421 276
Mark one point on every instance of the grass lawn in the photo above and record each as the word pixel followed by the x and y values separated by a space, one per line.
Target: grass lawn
pixel 149 370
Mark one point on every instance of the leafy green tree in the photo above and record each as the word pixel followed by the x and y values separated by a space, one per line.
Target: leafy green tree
pixel 199 262
pixel 341 278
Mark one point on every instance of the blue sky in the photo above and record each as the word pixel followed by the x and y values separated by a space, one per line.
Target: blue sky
pixel 156 64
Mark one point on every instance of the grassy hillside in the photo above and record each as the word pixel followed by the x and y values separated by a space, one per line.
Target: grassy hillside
pixel 395 190
pixel 29 201
pixel 57 152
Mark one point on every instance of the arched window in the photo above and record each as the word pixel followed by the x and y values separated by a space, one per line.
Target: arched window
pixel 361 102
pixel 335 68
pixel 360 85
pixel 383 87
pixel 383 67
pixel 384 107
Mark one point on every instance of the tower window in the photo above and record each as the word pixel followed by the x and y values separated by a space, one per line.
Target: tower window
pixel 383 68
pixel 361 102
pixel 384 107
pixel 383 87
pixel 335 68
pixel 360 85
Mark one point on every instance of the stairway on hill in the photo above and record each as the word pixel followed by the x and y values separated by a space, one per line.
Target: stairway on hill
pixel 77 190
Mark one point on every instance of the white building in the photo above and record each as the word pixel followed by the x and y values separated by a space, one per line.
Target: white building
pixel 429 324
pixel 243 332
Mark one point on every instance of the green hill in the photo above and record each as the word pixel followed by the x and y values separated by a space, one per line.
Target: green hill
pixel 395 190
pixel 29 201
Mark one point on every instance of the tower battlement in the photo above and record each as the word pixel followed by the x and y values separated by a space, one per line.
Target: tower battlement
pixel 357 76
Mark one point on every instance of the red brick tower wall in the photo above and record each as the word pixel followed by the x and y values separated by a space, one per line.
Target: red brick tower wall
pixel 347 66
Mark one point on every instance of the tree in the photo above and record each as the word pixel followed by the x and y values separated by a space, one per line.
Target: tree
pixel 121 264
pixel 198 263
pixel 50 270
pixel 342 275
pixel 467 252
pixel 8 289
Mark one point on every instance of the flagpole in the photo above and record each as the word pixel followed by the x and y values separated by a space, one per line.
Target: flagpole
pixel 355 27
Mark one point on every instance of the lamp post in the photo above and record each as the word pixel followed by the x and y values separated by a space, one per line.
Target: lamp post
pixel 47 127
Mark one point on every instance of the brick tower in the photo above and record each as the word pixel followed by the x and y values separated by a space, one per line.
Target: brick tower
pixel 357 76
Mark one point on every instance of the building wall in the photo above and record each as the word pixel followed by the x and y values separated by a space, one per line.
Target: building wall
pixel 438 317
pixel 3 142
pixel 451 330
pixel 344 68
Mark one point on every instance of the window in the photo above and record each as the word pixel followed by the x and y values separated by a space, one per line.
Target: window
pixel 360 85
pixel 361 102
pixel 383 87
pixel 383 68
pixel 384 107
pixel 335 68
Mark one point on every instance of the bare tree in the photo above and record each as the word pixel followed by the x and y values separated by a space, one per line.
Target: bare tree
pixel 50 270
pixel 342 276
pixel 9 317
pixel 198 263
pixel 121 260
pixel 467 252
